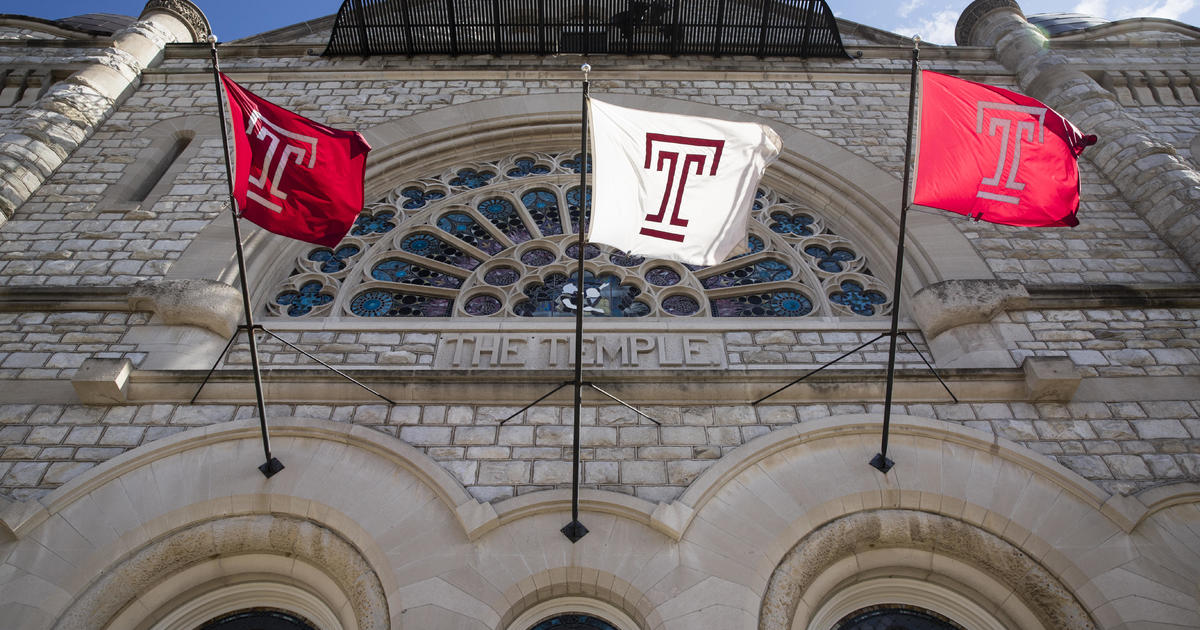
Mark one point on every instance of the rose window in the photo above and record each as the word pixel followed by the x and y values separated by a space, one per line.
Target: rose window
pixel 498 239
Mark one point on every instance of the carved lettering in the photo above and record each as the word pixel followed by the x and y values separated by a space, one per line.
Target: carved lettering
pixel 600 350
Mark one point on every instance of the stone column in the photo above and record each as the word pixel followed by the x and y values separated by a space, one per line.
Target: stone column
pixel 1162 187
pixel 51 129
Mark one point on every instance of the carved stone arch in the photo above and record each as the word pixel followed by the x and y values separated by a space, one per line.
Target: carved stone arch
pixel 576 582
pixel 1006 580
pixel 864 197
pixel 329 575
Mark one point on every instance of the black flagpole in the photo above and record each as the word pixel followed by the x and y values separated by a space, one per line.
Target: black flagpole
pixel 272 465
pixel 575 530
pixel 881 461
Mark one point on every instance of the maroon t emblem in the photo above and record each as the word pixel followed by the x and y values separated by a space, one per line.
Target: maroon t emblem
pixel 669 151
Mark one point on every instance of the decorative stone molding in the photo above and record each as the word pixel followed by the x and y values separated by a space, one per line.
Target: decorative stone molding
pixel 599 593
pixel 191 16
pixel 229 538
pixel 952 303
pixel 1054 605
pixel 1050 379
pixel 102 381
pixel 207 304
pixel 67 114
pixel 974 13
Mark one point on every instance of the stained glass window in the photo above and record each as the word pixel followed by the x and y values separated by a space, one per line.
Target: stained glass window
pixel 573 621
pixel 482 231
pixel 558 296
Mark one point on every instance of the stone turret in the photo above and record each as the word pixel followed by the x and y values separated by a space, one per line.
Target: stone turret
pixel 1152 177
pixel 51 129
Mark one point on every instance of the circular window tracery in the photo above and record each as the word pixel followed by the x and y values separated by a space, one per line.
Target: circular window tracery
pixel 497 239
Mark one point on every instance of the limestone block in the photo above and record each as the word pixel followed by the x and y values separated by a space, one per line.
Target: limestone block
pixel 102 381
pixel 1050 379
pixel 207 304
pixel 952 303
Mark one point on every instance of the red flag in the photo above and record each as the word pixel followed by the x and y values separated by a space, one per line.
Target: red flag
pixel 995 155
pixel 294 177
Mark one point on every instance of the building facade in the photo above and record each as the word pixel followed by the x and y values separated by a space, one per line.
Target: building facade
pixel 1054 482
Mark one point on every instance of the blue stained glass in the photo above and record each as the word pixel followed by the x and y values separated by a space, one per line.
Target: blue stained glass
pixel 526 167
pixel 394 270
pixel 333 260
pixel 573 163
pixel 796 224
pixel 538 257
pixel 830 261
pixel 372 304
pixel 466 229
pixel 773 304
pixel 758 195
pixel 857 299
pixel 662 277
pixel 417 198
pixel 625 260
pixel 501 276
pixel 573 206
pixel 589 251
pixel 753 243
pixel 604 296
pixel 574 621
pixel 471 178
pixel 762 271
pixel 302 302
pixel 898 616
pixel 380 303
pixel 503 214
pixel 433 248
pixel 483 305
pixel 543 207
pixel 378 223
pixel 681 305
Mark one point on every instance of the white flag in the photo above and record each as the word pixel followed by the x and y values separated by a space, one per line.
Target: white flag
pixel 673 186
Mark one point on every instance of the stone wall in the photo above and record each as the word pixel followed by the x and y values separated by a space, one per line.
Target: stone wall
pixel 1122 446
pixel 52 345
pixel 87 237
pixel 1113 342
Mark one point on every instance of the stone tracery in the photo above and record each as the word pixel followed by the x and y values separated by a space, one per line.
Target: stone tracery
pixel 497 239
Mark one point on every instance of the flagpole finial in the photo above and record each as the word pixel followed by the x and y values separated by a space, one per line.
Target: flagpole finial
pixel 916 41
pixel 586 68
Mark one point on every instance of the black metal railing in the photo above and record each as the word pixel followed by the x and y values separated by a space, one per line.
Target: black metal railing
pixel 763 28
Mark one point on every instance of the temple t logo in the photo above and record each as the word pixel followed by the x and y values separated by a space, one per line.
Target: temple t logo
pixel 1028 121
pixel 679 156
pixel 279 148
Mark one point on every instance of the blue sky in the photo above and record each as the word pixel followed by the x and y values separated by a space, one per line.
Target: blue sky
pixel 933 20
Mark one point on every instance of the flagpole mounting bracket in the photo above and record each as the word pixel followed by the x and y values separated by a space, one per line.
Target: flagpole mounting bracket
pixel 574 531
pixel 271 467
pixel 881 463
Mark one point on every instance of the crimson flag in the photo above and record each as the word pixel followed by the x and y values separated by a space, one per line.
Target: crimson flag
pixel 294 177
pixel 992 154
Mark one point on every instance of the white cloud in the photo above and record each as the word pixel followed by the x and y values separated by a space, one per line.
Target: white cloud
pixel 1170 9
pixel 1098 8
pixel 936 28
pixel 908 7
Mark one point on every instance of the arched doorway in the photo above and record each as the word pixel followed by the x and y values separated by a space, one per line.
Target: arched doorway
pixel 258 620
